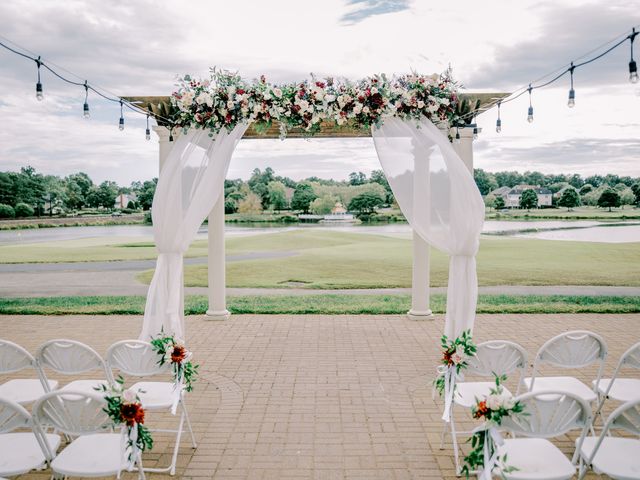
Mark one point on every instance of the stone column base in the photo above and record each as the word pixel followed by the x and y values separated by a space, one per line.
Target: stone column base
pixel 420 315
pixel 218 315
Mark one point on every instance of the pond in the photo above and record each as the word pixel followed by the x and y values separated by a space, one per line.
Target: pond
pixel 576 230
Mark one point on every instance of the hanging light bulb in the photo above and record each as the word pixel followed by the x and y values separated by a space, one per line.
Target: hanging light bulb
pixel 530 111
pixel 39 94
pixel 85 108
pixel 171 134
pixel 147 133
pixel 633 67
pixel 572 93
pixel 475 133
pixel 457 139
pixel 499 121
pixel 121 122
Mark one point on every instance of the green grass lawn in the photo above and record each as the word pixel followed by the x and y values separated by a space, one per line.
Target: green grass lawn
pixel 320 304
pixel 350 260
pixel 579 213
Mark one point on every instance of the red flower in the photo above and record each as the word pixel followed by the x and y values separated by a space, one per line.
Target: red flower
pixel 179 352
pixel 227 119
pixel 377 99
pixel 296 108
pixel 240 91
pixel 301 93
pixel 481 410
pixel 263 79
pixel 320 84
pixel 132 413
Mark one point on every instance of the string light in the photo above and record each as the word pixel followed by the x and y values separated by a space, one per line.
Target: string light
pixel 39 94
pixel 499 121
pixel 457 139
pixel 572 93
pixel 530 112
pixel 171 134
pixel 633 67
pixel 121 122
pixel 147 133
pixel 85 108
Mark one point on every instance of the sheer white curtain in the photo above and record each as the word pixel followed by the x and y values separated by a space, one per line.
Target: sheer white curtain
pixel 190 183
pixel 438 196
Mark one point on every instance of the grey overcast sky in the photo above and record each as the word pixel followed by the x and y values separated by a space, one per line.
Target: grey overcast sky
pixel 138 47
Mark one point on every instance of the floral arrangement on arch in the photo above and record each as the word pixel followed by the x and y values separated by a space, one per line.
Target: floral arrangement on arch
pixel 485 440
pixel 124 408
pixel 226 100
pixel 173 352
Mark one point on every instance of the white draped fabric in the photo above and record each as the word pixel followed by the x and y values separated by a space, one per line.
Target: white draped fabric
pixel 438 196
pixel 190 183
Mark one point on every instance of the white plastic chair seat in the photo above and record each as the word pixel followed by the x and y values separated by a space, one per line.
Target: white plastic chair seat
pixel 565 384
pixel 622 390
pixel 154 395
pixel 24 390
pixel 95 455
pixel 536 458
pixel 84 385
pixel 20 452
pixel 467 392
pixel 617 457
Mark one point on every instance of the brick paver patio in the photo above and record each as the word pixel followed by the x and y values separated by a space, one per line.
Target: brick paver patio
pixel 316 397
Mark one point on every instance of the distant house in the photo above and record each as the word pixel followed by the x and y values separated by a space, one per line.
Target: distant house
pixel 511 196
pixel 123 200
pixel 338 214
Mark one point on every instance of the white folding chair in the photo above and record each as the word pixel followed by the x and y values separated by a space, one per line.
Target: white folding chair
pixel 576 349
pixel 96 451
pixel 70 357
pixel 14 358
pixel 550 413
pixel 137 359
pixel 23 451
pixel 621 389
pixel 495 357
pixel 616 457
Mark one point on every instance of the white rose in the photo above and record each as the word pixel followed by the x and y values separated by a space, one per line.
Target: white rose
pixel 494 402
pixel 444 101
pixel 456 359
pixel 341 121
pixel 129 395
pixel 420 104
pixel 341 100
pixel 277 92
pixel 330 98
pixel 460 353
pixel 508 401
pixel 187 98
pixel 204 98
pixel 267 96
pixel 231 90
pixel 365 110
pixel 230 104
pixel 374 90
pixel 433 108
pixel 357 108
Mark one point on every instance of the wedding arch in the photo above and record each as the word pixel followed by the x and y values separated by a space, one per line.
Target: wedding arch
pixel 409 118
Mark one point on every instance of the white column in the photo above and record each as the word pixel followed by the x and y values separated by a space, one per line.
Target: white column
pixel 216 264
pixel 421 250
pixel 465 147
pixel 165 145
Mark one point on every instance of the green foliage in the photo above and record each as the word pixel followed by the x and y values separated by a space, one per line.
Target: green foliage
pixel 259 184
pixel 230 206
pixel 23 210
pixel 485 181
pixel 171 351
pixel 570 198
pixel 357 178
pixel 250 204
pixel 635 188
pixel 323 205
pixel 277 194
pixel 609 199
pixel 498 203
pixel 7 211
pixel 529 199
pixel 366 202
pixel 302 197
pixel 455 353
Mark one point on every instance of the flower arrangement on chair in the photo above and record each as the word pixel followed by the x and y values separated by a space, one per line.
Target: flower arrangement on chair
pixel 485 440
pixel 124 408
pixel 455 356
pixel 184 371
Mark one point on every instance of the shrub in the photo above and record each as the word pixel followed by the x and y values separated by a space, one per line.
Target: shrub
pixel 7 211
pixel 23 210
pixel 147 217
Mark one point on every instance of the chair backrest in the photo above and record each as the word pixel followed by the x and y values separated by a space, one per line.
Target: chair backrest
pixel 499 357
pixel 549 413
pixel 13 416
pixel 575 349
pixel 73 413
pixel 69 357
pixel 134 357
pixel 631 358
pixel 14 358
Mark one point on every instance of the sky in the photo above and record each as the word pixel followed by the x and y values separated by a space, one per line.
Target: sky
pixel 140 47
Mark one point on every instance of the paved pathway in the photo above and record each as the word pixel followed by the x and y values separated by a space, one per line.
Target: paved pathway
pixel 317 397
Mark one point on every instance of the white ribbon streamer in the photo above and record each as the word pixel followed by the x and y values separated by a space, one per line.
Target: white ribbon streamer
pixel 129 445
pixel 491 437
pixel 178 388
pixel 450 377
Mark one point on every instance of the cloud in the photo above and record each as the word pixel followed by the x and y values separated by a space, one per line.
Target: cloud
pixel 567 32
pixel 368 8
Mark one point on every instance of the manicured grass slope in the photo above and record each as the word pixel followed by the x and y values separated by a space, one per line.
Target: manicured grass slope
pixel 320 304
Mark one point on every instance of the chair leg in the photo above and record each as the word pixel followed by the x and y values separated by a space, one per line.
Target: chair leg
pixel 456 452
pixel 174 458
pixel 444 434
pixel 186 416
